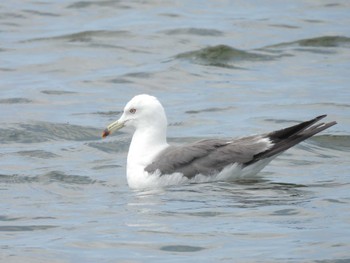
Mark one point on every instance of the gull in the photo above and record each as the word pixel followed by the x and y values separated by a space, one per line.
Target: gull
pixel 153 163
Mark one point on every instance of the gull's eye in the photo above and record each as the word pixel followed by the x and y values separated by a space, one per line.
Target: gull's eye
pixel 132 110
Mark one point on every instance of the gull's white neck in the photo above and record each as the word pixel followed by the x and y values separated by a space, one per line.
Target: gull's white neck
pixel 147 142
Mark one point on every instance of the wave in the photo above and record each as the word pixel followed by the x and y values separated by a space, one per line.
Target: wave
pixel 84 36
pixel 15 101
pixel 121 145
pixel 335 142
pixel 215 109
pixel 230 57
pixel 323 41
pixel 222 55
pixel 48 178
pixel 194 31
pixel 38 154
pixel 46 131
pixel 57 92
pixel 25 228
pixel 104 3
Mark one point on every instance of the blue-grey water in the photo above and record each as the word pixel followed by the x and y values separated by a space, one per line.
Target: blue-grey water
pixel 221 69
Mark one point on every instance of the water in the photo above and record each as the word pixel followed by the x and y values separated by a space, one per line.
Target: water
pixel 221 69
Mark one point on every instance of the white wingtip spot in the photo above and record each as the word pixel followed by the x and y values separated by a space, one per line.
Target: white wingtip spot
pixel 266 141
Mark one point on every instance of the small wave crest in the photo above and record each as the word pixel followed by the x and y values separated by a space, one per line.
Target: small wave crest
pixel 323 41
pixel 46 131
pixel 222 55
pixel 47 178
pixel 230 57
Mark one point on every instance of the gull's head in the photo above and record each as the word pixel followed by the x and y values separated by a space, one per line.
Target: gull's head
pixel 142 111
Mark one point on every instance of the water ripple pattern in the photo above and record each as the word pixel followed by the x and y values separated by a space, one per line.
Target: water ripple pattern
pixel 221 69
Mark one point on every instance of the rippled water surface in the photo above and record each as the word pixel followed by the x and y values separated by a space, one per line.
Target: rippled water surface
pixel 221 69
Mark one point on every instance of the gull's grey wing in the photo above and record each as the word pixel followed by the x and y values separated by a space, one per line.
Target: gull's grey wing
pixel 210 156
pixel 207 156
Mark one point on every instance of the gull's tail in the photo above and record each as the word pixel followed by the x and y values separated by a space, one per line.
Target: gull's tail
pixel 286 138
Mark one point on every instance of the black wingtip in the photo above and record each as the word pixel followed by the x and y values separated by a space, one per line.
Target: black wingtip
pixel 288 137
pixel 321 117
pixel 285 133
